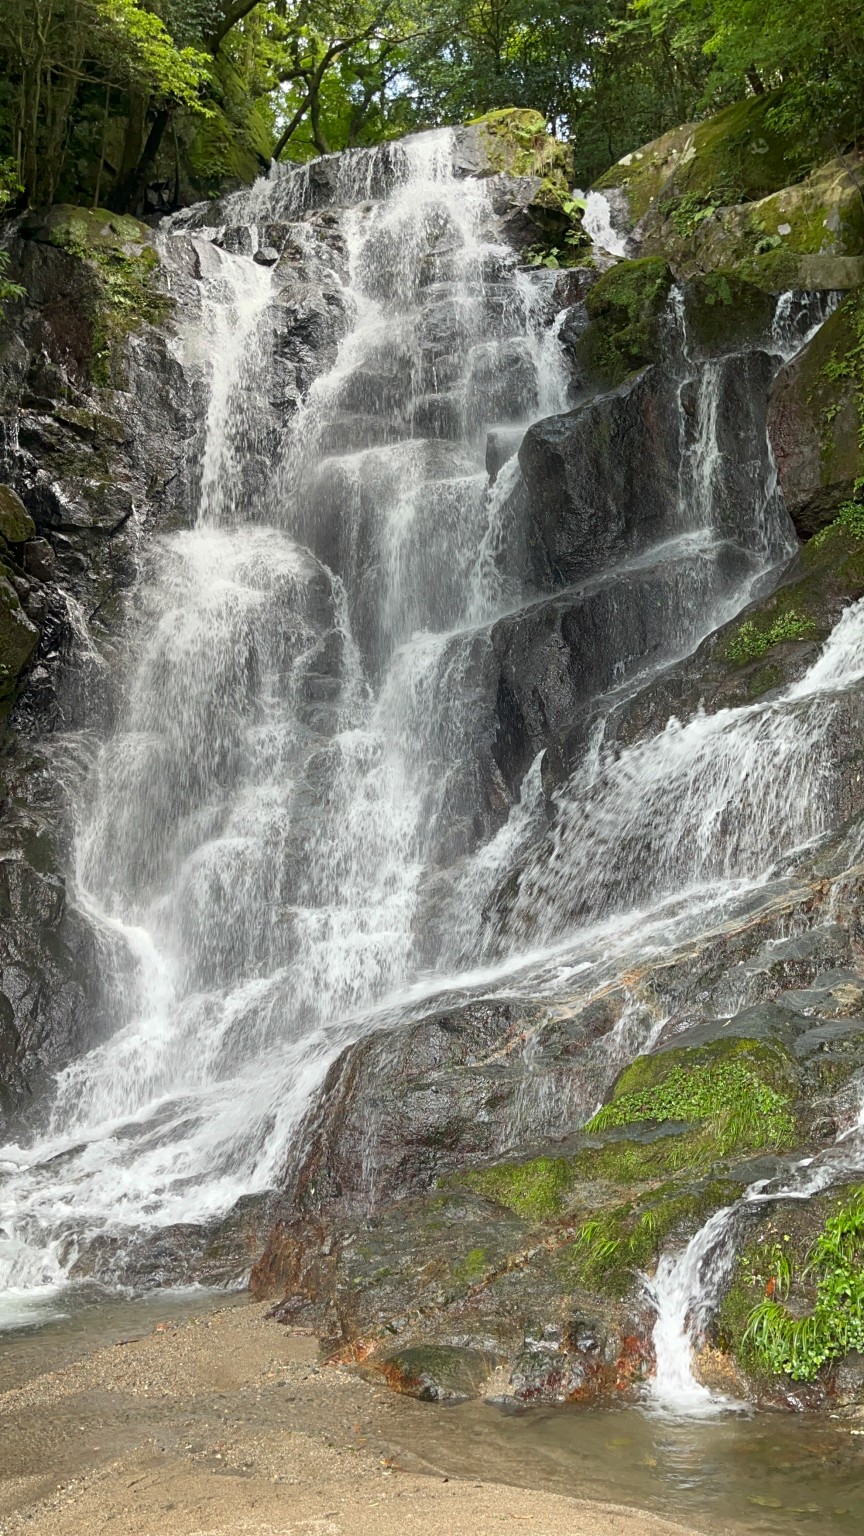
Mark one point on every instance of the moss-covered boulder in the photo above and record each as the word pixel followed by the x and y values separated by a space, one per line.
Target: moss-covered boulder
pixel 738 192
pixel 16 524
pixel 808 235
pixel 513 141
pixel 790 1320
pixel 113 267
pixel 724 313
pixel 538 208
pixel 816 420
pixel 640 176
pixel 624 310
pixel 738 155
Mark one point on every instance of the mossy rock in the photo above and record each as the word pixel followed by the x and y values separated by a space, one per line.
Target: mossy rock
pixel 614 1246
pixel 774 1273
pixel 724 313
pixel 91 424
pixel 18 639
pixel 738 156
pixel 769 1062
pixel 16 524
pixel 820 216
pixel 624 309
pixel 808 235
pixel 641 175
pixel 437 1372
pixel 828 574
pixel 516 144
pixel 816 420
pixel 118 251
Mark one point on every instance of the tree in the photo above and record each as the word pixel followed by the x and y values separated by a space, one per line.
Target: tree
pixel 813 52
pixel 55 50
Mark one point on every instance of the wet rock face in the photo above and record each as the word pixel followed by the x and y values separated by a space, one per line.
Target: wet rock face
pixel 99 435
pixel 455 1263
pixel 813 423
pixel 593 498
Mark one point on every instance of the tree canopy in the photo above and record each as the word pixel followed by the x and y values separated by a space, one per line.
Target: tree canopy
pixel 109 99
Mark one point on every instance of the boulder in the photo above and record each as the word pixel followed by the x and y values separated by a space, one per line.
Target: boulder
pixel 623 309
pixel 639 177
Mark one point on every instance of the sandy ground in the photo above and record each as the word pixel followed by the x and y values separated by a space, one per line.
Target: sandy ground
pixel 224 1425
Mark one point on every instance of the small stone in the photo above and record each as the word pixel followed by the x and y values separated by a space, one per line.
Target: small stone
pixel 266 256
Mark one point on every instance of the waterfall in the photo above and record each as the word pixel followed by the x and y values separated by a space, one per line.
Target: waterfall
pixel 296 821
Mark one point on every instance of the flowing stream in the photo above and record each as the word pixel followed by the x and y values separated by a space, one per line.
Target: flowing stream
pixel 286 839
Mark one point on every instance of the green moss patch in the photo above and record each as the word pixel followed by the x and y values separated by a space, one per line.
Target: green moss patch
pixel 518 144
pixel 16 524
pixel 534 1190
pixel 613 1245
pixel 738 156
pixel 740 1090
pixel 624 309
pixel 753 638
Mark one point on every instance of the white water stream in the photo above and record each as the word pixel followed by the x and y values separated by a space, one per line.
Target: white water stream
pixel 295 758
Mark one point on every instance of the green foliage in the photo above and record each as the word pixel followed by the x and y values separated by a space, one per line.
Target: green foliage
pixel 850 517
pixel 752 639
pixel 62 59
pixel 9 189
pixel 798 1346
pixel 120 91
pixel 814 51
pixel 742 1109
pixel 687 213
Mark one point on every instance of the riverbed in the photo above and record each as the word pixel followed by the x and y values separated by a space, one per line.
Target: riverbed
pixel 187 1416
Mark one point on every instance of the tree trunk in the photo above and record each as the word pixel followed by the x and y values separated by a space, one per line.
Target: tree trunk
pixel 133 148
pixel 319 137
pixel 129 193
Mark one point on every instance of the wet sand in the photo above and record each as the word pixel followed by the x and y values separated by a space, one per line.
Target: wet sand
pixel 225 1425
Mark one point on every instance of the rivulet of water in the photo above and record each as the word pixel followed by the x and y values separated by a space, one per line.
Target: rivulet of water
pixel 302 751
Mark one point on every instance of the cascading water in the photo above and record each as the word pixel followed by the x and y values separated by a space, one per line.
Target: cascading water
pixel 295 762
